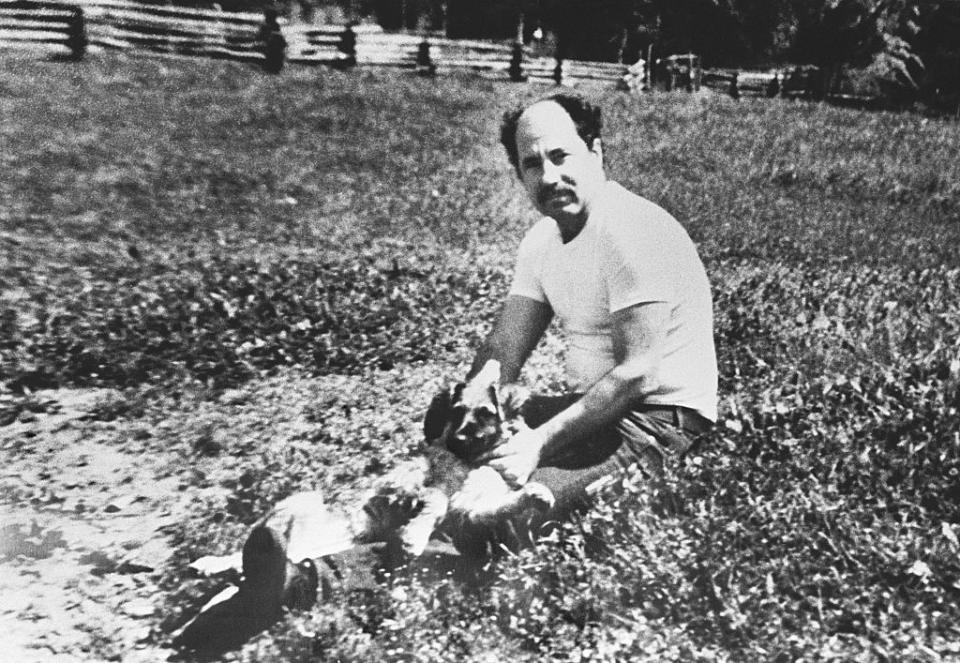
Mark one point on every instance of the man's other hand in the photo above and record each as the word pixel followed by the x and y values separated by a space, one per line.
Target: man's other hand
pixel 518 457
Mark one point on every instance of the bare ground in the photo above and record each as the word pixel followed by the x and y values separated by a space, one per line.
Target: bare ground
pixel 98 491
pixel 83 543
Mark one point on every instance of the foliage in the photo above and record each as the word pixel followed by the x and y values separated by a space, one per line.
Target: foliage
pixel 231 320
pixel 937 43
pixel 906 47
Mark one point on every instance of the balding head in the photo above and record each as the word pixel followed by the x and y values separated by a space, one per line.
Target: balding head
pixel 585 116
pixel 560 169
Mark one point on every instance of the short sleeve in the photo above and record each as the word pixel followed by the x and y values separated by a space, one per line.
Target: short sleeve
pixel 639 260
pixel 526 274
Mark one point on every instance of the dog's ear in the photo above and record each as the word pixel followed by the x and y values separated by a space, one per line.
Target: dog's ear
pixel 511 398
pixel 493 392
pixel 438 414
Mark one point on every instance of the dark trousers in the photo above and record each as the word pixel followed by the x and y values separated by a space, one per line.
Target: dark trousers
pixel 649 436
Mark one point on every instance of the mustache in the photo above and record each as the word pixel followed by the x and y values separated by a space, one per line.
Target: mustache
pixel 545 194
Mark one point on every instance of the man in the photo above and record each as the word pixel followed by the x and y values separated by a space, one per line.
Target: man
pixel 625 281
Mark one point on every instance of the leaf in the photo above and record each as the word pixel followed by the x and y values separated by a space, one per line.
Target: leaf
pixel 733 424
pixel 920 569
pixel 947 530
pixel 821 322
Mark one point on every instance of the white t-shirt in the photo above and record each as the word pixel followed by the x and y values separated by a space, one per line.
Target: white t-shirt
pixel 629 252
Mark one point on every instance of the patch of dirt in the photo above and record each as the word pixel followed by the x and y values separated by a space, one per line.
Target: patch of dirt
pixel 97 488
pixel 82 534
pixel 106 496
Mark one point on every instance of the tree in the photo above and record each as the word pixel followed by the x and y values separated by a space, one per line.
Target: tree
pixel 873 35
pixel 937 43
pixel 621 30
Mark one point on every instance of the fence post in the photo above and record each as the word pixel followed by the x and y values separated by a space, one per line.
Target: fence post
pixel 734 89
pixel 516 63
pixel 348 47
pixel 558 72
pixel 425 65
pixel 77 34
pixel 649 73
pixel 272 42
pixel 214 38
pixel 773 87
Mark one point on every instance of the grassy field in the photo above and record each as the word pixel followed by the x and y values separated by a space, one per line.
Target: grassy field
pixel 232 251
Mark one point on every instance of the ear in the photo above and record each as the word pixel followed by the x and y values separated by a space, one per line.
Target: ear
pixel 597 149
pixel 493 391
pixel 438 413
pixel 511 399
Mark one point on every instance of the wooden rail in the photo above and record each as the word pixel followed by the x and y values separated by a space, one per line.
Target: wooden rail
pixel 748 82
pixel 168 29
pixel 35 23
pixel 126 25
pixel 308 44
pixel 246 36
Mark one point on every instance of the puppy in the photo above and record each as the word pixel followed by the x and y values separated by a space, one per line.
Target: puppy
pixel 443 490
pixel 447 488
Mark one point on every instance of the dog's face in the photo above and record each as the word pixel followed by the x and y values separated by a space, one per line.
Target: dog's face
pixel 468 419
pixel 474 421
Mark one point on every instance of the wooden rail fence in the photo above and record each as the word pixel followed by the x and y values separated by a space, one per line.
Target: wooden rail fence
pixel 801 82
pixel 30 23
pixel 114 24
pixel 71 25
pixel 755 83
pixel 125 25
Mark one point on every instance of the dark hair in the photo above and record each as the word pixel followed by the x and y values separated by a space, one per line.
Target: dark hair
pixel 586 118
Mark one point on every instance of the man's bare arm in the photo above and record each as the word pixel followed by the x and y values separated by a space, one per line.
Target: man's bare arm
pixel 638 334
pixel 516 333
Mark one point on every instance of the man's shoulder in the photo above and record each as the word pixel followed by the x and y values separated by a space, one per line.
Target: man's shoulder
pixel 541 234
pixel 627 211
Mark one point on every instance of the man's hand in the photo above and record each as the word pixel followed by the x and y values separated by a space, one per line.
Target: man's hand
pixel 518 457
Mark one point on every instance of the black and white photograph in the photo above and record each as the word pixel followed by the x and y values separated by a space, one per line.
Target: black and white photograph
pixel 444 331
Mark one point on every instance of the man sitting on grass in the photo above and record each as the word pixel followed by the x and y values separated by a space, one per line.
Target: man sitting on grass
pixel 631 292
pixel 626 282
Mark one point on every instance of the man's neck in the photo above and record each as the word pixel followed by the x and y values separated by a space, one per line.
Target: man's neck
pixel 571 227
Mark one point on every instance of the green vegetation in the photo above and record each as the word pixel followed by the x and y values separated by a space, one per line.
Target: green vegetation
pixel 169 225
pixel 902 51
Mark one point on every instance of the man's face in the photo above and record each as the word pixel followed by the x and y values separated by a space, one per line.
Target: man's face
pixel 559 171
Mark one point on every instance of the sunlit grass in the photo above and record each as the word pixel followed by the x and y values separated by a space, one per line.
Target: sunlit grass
pixel 144 192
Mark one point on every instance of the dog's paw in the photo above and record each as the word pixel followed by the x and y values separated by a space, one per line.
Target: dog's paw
pixel 387 513
pixel 415 535
pixel 407 478
pixel 537 496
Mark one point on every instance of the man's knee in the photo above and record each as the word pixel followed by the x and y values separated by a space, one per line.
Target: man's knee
pixel 490 538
